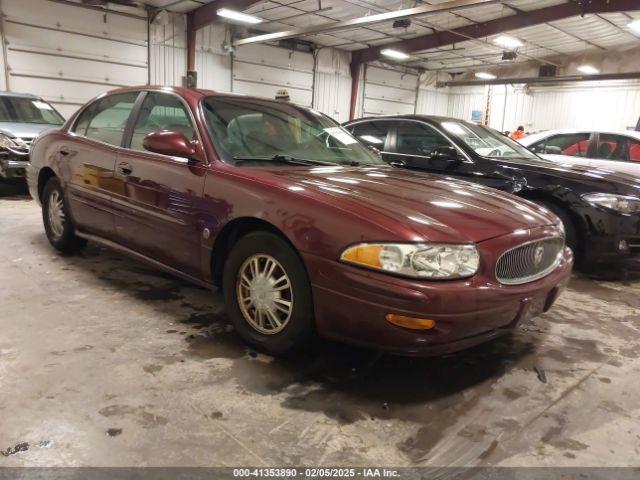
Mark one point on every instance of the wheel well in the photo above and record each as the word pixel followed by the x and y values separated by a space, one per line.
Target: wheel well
pixel 43 177
pixel 575 219
pixel 230 234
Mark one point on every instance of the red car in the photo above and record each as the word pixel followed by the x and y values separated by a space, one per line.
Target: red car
pixel 303 227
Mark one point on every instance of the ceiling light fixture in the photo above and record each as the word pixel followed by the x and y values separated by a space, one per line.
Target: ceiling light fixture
pixel 238 16
pixel 635 26
pixel 588 70
pixel 388 52
pixel 506 41
pixel 485 76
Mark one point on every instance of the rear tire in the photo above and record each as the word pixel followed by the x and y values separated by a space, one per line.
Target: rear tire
pixel 57 220
pixel 268 294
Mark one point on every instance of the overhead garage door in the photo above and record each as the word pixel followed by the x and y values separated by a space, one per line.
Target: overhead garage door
pixel 261 70
pixel 389 92
pixel 69 54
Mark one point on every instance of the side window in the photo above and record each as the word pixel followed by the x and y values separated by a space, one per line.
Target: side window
pixel 572 144
pixel 418 139
pixel 617 147
pixel 161 111
pixel 372 134
pixel 106 119
pixel 634 150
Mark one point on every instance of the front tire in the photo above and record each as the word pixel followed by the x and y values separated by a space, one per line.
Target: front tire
pixel 268 294
pixel 571 237
pixel 57 220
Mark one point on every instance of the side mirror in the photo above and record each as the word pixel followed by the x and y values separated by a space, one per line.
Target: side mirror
pixel 448 154
pixel 173 144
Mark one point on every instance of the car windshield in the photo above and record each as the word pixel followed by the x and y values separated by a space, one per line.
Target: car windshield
pixel 487 143
pixel 28 110
pixel 246 129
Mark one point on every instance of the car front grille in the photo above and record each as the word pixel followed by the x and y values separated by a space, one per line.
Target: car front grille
pixel 529 261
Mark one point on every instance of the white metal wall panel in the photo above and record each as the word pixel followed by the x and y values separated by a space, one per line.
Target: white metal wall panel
pixel 262 70
pixel 213 64
pixel 464 100
pixel 332 95
pixel 389 92
pixel 168 51
pixel 604 106
pixel 67 54
pixel 432 102
pixel 510 107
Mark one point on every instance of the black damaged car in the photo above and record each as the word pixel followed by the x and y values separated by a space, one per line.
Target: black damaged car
pixel 600 209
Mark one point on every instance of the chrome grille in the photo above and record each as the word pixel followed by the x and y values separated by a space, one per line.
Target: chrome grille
pixel 529 261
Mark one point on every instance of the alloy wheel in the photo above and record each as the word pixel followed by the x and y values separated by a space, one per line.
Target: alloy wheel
pixel 56 214
pixel 265 294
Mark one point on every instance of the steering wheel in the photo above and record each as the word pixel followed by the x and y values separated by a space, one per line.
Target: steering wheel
pixel 495 153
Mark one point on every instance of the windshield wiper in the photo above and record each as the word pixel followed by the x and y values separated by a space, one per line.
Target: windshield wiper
pixel 279 158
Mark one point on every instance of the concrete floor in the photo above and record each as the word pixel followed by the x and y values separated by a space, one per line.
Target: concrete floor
pixel 104 362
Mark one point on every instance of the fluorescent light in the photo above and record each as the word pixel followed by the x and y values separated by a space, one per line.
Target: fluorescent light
pixel 238 16
pixel 485 75
pixel 394 54
pixel 507 42
pixel 588 69
pixel 635 26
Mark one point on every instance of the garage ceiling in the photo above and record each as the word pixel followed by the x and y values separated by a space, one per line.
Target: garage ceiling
pixel 565 37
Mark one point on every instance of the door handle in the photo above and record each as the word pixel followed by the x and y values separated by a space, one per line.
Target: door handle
pixel 125 168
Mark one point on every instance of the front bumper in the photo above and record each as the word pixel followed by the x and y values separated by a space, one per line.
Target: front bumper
pixel 351 304
pixel 11 169
pixel 613 242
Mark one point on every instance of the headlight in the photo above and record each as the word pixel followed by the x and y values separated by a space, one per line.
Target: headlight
pixel 619 203
pixel 426 260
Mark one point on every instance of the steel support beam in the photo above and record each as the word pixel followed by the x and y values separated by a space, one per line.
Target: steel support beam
pixel 363 22
pixel 498 25
pixel 542 80
pixel 356 73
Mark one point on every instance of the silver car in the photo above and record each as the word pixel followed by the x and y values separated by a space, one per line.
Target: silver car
pixel 22 118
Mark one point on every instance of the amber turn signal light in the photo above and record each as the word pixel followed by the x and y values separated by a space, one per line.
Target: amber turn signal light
pixel 410 322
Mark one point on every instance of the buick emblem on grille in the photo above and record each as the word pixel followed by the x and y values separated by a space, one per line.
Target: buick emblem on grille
pixel 538 254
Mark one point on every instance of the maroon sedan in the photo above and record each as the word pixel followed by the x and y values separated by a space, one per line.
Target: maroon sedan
pixel 304 228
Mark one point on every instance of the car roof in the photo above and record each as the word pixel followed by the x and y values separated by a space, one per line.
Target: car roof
pixel 424 118
pixel 18 95
pixel 194 93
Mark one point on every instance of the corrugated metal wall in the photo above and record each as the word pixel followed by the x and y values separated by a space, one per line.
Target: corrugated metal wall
pixel 432 102
pixel 213 64
pixel 613 105
pixel 332 83
pixel 389 92
pixel 168 51
pixel 68 54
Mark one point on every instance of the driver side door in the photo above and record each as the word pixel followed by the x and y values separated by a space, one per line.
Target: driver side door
pixel 418 146
pixel 159 212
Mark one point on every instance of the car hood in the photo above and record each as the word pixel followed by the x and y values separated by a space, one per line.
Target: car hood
pixel 437 208
pixel 24 130
pixel 598 179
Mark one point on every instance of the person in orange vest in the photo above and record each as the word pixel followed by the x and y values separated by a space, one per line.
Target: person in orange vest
pixel 518 134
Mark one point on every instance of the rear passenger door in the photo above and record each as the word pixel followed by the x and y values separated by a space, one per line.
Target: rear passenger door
pixel 617 152
pixel 88 160
pixel 157 214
